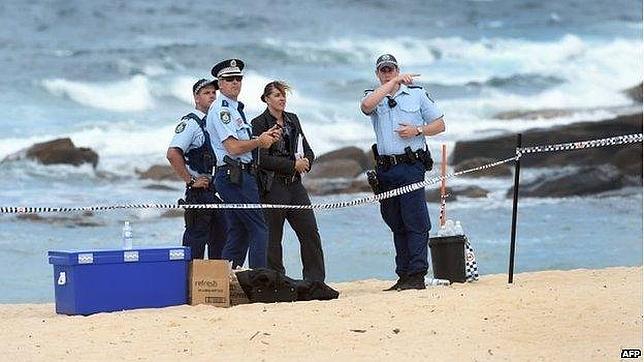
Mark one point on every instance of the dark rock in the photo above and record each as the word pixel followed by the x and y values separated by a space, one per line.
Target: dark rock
pixel 502 170
pixel 532 115
pixel 635 93
pixel 336 168
pixel 474 192
pixel 371 164
pixel 350 153
pixel 159 173
pixel 106 175
pixel 82 220
pixel 58 151
pixel 584 181
pixel 172 213
pixel 502 147
pixel 326 186
pixel 629 160
pixel 434 195
pixel 160 187
pixel 331 186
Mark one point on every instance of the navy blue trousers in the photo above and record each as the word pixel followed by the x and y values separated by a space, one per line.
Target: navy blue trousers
pixel 204 226
pixel 407 217
pixel 247 231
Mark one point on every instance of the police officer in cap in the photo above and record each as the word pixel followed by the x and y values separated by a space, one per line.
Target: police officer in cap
pixel 403 114
pixel 232 141
pixel 192 158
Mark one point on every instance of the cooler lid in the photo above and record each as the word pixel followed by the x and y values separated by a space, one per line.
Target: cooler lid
pixel 115 256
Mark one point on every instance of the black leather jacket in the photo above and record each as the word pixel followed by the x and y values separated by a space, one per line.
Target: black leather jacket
pixel 279 159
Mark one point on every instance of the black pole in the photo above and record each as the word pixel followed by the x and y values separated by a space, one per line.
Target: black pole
pixel 515 202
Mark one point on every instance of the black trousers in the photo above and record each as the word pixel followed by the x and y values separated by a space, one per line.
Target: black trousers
pixel 204 226
pixel 303 223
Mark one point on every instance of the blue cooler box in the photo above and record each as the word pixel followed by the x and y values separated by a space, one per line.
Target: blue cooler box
pixel 96 281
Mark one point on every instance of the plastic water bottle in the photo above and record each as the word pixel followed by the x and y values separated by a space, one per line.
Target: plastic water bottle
pixel 432 282
pixel 127 236
pixel 449 228
pixel 458 229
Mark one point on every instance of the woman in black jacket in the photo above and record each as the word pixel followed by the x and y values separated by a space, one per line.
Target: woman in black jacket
pixel 280 170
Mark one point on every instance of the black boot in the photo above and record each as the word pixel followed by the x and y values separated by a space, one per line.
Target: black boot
pixel 414 281
pixel 396 286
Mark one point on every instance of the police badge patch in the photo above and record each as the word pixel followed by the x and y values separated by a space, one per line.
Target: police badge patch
pixel 224 116
pixel 180 127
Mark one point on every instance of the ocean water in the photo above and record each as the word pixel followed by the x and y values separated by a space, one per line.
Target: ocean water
pixel 116 76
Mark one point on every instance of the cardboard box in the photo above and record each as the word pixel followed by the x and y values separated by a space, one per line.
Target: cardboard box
pixel 93 281
pixel 237 294
pixel 209 282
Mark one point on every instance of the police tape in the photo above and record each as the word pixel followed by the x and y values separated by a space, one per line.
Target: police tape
pixel 570 146
pixel 321 206
pixel 611 141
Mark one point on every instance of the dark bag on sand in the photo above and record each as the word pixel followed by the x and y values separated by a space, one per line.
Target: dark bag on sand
pixel 269 286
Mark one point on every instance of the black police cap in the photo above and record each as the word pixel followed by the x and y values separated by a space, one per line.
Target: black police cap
pixel 228 68
pixel 203 83
pixel 386 59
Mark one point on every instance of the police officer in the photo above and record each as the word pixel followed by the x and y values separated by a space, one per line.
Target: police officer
pixel 192 158
pixel 232 141
pixel 403 114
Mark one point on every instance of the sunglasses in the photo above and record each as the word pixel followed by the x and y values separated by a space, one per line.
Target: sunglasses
pixel 230 79
pixel 391 102
pixel 386 69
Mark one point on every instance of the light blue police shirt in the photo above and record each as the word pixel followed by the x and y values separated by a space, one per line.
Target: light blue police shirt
pixel 188 136
pixel 414 107
pixel 225 121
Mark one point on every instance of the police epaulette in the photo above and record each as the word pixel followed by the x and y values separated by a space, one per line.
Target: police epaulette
pixel 224 103
pixel 414 87
pixel 191 116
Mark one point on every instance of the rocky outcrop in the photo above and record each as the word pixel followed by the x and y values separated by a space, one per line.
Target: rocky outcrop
pixel 434 195
pixel 160 187
pixel 635 93
pixel 58 151
pixel 339 172
pixel 330 186
pixel 501 147
pixel 346 153
pixel 532 115
pixel 598 169
pixel 158 173
pixel 172 213
pixel 345 168
pixel 584 181
pixel 78 220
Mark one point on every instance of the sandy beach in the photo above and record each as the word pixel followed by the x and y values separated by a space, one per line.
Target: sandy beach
pixel 550 315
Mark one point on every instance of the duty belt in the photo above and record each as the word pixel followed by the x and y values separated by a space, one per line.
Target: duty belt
pixel 286 179
pixel 392 160
pixel 242 166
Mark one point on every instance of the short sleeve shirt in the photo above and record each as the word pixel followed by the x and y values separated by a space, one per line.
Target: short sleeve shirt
pixel 224 121
pixel 414 107
pixel 188 136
